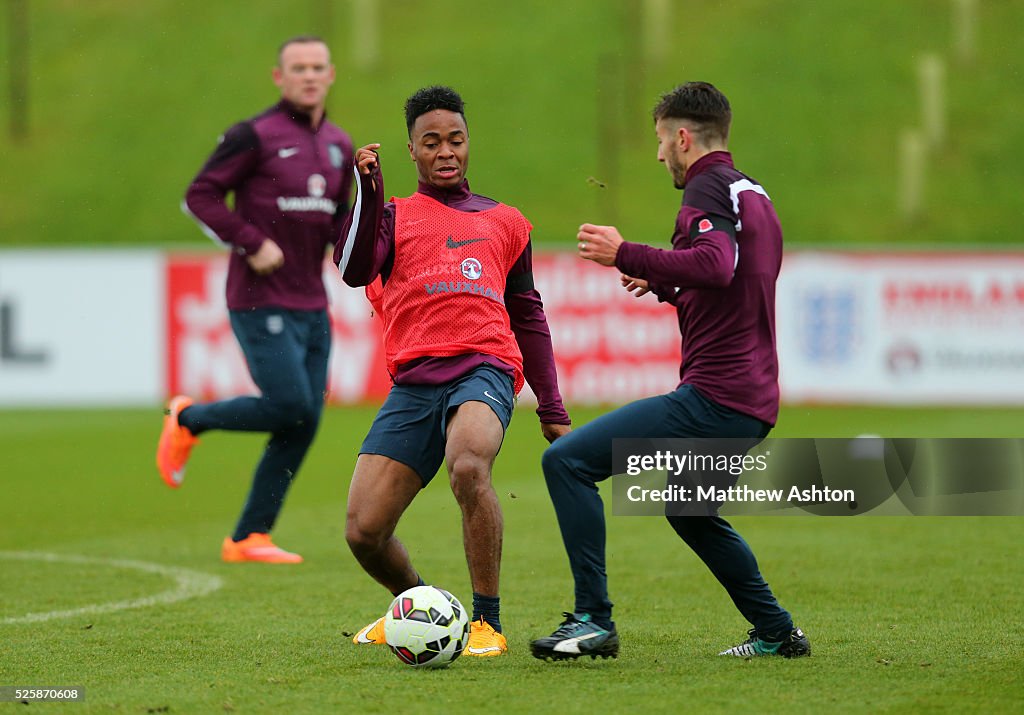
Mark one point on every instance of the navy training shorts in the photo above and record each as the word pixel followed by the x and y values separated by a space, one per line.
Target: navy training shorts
pixel 411 424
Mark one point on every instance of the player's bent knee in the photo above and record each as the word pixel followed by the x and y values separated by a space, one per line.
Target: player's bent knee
pixel 689 528
pixel 470 476
pixel 554 462
pixel 364 541
pixel 296 414
pixel 469 468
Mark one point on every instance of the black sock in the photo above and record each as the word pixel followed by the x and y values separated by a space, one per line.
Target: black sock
pixel 419 582
pixel 488 608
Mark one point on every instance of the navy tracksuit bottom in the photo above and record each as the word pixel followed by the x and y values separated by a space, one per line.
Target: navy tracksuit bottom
pixel 575 463
pixel 286 352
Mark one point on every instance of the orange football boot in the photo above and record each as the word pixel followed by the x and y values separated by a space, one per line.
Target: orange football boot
pixel 484 641
pixel 175 444
pixel 258 548
pixel 372 634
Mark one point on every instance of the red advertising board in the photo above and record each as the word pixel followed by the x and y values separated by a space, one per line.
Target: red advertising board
pixel 610 346
pixel 204 360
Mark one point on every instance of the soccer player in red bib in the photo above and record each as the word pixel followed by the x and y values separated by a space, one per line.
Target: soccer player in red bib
pixel 450 274
pixel 720 276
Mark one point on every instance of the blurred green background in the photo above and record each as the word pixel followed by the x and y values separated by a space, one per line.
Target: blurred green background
pixel 126 99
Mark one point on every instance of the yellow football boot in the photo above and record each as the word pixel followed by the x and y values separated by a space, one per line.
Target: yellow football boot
pixel 484 641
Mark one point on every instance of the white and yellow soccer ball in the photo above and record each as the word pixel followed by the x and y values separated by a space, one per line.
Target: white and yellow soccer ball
pixel 426 627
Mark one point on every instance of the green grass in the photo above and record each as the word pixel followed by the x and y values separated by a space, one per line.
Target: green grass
pixel 127 99
pixel 905 614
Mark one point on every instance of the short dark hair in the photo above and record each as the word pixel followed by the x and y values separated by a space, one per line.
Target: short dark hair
pixel 700 103
pixel 298 40
pixel 430 98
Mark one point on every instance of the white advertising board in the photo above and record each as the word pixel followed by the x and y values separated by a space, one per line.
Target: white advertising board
pixel 902 328
pixel 81 328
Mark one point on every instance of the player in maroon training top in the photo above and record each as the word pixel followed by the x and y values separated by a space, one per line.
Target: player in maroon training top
pixel 290 170
pixel 720 275
pixel 463 327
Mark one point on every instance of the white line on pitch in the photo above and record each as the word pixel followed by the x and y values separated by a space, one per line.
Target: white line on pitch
pixel 189 584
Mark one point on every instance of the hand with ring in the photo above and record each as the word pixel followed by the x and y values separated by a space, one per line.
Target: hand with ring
pixel 599 244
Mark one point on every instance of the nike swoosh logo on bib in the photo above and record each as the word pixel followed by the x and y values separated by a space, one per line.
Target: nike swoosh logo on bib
pixel 452 243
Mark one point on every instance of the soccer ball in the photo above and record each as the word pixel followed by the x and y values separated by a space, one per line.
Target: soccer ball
pixel 426 627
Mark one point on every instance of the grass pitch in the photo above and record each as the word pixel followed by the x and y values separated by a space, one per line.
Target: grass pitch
pixel 904 614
